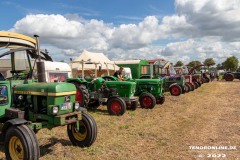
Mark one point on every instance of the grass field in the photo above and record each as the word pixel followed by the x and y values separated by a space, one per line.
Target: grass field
pixel 208 116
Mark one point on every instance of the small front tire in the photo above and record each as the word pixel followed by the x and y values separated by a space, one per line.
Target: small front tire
pixel 21 143
pixel 175 90
pixel 147 100
pixel 85 134
pixel 160 100
pixel 116 106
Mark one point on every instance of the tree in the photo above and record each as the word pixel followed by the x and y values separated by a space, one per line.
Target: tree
pixel 194 63
pixel 219 66
pixel 209 62
pixel 231 63
pixel 178 64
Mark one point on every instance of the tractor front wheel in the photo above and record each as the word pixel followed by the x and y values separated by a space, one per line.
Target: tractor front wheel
pixel 133 105
pixel 116 106
pixel 147 101
pixel 160 100
pixel 21 143
pixel 84 132
pixel 175 90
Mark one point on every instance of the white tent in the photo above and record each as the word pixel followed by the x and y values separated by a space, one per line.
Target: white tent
pixel 97 60
pixel 92 57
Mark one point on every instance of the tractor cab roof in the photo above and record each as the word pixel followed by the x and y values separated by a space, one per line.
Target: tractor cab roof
pixel 30 51
pixel 12 40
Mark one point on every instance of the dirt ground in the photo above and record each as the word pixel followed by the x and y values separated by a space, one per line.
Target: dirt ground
pixel 208 116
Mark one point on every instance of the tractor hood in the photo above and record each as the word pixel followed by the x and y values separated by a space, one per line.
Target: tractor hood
pixel 147 81
pixel 46 89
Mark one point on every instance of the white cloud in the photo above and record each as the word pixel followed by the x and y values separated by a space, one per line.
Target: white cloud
pixel 198 29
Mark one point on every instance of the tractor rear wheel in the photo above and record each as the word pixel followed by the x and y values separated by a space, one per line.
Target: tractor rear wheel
pixel 196 85
pixel 147 100
pixel 188 86
pixel 199 84
pixel 192 87
pixel 175 90
pixel 82 95
pixel 116 106
pixel 133 105
pixel 160 100
pixel 21 143
pixel 183 89
pixel 83 134
pixel 229 77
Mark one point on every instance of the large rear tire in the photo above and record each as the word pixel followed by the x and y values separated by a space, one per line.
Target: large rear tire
pixel 188 86
pixel 82 95
pixel 175 90
pixel 116 106
pixel 196 85
pixel 21 143
pixel 229 77
pixel 199 84
pixel 85 134
pixel 147 100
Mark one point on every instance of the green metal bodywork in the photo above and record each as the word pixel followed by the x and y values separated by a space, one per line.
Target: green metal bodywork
pixel 162 73
pixel 136 68
pixel 38 100
pixel 124 89
pixel 22 94
pixel 153 86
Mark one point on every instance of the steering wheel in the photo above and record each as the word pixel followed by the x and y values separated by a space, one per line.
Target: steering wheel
pixel 108 78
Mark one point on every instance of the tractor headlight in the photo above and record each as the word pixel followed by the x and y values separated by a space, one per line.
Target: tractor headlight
pixel 55 109
pixel 76 106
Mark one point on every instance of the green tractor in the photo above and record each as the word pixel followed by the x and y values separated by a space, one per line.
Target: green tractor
pixel 28 104
pixel 118 96
pixel 174 84
pixel 149 91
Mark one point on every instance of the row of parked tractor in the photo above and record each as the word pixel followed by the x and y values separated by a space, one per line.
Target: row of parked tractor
pixel 145 84
pixel 28 104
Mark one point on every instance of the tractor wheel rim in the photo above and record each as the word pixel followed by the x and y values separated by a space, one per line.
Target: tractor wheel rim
pixel 16 150
pixel 79 134
pixel 115 107
pixel 175 90
pixel 147 102
pixel 79 96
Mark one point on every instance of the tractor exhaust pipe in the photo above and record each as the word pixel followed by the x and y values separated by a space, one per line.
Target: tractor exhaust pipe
pixel 40 64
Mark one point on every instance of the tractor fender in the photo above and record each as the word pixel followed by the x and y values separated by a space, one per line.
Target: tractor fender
pixel 9 123
pixel 112 98
pixel 172 85
pixel 144 92
pixel 75 80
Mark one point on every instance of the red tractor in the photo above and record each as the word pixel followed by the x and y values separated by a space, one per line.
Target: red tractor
pixel 190 85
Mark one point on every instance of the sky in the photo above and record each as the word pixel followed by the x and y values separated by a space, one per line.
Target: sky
pixel 184 30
